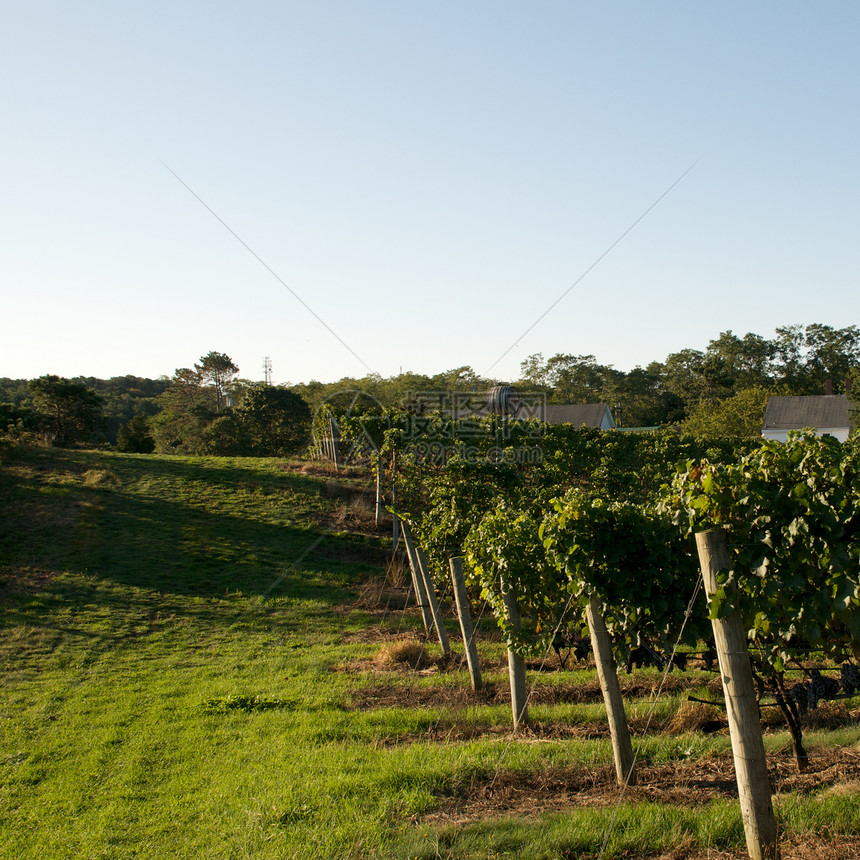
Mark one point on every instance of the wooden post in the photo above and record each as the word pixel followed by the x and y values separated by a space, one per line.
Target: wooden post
pixel 516 663
pixel 378 515
pixel 430 588
pixel 417 578
pixel 394 518
pixel 465 616
pixel 622 748
pixel 333 430
pixel 742 708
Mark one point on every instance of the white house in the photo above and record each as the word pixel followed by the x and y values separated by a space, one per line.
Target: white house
pixel 826 414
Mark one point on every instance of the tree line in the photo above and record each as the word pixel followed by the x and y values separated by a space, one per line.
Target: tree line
pixel 208 409
pixel 721 390
pixel 204 409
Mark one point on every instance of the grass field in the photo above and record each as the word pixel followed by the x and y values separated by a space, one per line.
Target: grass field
pixel 192 660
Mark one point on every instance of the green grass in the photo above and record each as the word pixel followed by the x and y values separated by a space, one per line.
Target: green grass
pixel 170 642
pixel 638 831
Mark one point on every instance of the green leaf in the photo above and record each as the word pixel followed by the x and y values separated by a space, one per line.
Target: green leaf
pixel 718 598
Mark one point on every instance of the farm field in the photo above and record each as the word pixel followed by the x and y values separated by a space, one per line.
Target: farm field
pixel 208 657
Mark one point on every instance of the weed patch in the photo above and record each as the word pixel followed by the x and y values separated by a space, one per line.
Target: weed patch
pixel 228 703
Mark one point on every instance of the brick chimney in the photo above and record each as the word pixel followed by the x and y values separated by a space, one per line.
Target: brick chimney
pixel 828 387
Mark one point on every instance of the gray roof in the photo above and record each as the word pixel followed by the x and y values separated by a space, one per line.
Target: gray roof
pixel 590 415
pixel 578 414
pixel 815 411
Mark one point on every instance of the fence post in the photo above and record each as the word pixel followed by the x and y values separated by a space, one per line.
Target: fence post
pixel 516 662
pixel 622 748
pixel 742 708
pixel 465 616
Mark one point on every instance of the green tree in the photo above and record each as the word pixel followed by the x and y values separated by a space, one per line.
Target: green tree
pixel 194 398
pixel 570 378
pixel 638 399
pixel 12 417
pixel 125 397
pixel 185 394
pixel 831 354
pixel 745 362
pixel 809 356
pixel 214 373
pixel 14 391
pixel 460 379
pixel 135 437
pixel 741 415
pixel 66 411
pixel 224 436
pixel 276 421
pixel 177 432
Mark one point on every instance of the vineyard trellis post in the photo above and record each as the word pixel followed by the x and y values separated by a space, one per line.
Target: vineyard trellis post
pixel 332 426
pixel 741 706
pixel 430 588
pixel 516 662
pixel 378 512
pixel 417 578
pixel 607 674
pixel 395 520
pixel 461 599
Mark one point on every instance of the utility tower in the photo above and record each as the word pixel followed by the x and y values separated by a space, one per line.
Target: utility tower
pixel 267 370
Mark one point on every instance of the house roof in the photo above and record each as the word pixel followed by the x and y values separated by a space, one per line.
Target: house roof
pixel 592 415
pixel 816 411
pixel 578 414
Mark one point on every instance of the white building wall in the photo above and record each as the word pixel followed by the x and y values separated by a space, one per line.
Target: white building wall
pixel 840 433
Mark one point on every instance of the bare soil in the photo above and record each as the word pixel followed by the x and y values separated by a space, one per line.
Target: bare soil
pixel 690 783
pixel 527 795
pixel 387 694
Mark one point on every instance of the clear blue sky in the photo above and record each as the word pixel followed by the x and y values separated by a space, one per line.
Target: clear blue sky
pixel 427 176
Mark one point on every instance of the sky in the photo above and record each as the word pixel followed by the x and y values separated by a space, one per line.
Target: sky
pixel 356 186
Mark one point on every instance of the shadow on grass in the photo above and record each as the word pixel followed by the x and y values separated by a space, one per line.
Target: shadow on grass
pixel 153 537
pixel 177 548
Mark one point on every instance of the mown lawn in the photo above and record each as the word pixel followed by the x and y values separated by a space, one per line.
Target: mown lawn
pixel 187 672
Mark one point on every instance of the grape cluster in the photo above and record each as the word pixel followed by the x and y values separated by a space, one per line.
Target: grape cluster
pixel 679 662
pixel 645 655
pixel 807 694
pixel 820 687
pixel 573 642
pixel 709 655
pixel 799 694
pixel 850 679
pixel 582 648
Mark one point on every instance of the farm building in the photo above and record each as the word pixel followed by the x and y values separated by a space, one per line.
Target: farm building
pixel 597 416
pixel 505 400
pixel 826 414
